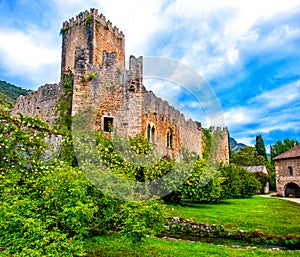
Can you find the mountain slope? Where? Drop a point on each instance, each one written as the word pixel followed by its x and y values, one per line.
pixel 12 91
pixel 9 94
pixel 235 146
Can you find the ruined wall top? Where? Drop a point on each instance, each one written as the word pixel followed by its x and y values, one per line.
pixel 93 14
pixel 214 129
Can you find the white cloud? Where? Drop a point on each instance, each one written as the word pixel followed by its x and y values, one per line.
pixel 23 54
pixel 208 23
pixel 213 30
pixel 278 97
pixel 163 87
pixel 232 55
pixel 240 116
pixel 138 19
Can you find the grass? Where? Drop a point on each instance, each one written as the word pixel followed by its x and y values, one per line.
pixel 270 215
pixel 116 246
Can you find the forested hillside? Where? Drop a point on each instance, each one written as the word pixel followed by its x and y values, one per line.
pixel 9 94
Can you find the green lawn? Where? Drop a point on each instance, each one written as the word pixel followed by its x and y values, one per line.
pixel 270 215
pixel 115 246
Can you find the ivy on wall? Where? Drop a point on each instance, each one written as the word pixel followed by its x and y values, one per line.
pixel 64 119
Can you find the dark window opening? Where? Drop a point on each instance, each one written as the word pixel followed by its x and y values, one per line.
pixel 292 190
pixel 152 139
pixel 290 171
pixel 149 132
pixel 169 138
pixel 108 124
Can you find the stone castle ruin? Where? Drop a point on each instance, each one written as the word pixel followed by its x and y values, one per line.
pixel 94 51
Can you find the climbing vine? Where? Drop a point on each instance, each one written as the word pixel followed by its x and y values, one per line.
pixel 63 30
pixel 63 112
pixel 206 142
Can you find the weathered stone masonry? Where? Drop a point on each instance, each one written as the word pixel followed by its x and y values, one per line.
pixel 91 31
pixel 287 167
pixel 95 51
pixel 119 95
pixel 40 103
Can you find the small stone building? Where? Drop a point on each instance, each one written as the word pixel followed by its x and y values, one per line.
pixel 259 169
pixel 287 167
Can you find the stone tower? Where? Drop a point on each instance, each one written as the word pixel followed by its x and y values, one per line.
pixel 91 31
pixel 222 146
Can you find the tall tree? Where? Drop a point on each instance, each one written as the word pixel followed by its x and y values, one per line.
pixel 248 156
pixel 260 147
pixel 282 146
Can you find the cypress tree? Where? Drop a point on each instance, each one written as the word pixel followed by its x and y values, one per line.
pixel 260 146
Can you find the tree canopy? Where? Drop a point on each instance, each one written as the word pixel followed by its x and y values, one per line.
pixel 248 156
pixel 282 146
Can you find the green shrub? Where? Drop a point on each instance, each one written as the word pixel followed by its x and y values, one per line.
pixel 238 183
pixel 51 211
pixel 142 219
pixel 46 208
pixel 49 208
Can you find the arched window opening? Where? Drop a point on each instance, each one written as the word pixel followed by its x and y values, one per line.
pixel 149 133
pixel 290 171
pixel 152 138
pixel 170 138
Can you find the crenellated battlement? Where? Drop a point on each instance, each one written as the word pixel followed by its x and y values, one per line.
pixel 214 129
pixel 90 30
pixel 92 15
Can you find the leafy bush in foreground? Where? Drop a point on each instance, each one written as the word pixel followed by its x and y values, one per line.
pixel 49 208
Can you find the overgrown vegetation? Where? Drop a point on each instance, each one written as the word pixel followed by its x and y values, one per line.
pixel 206 143
pixel 91 75
pixel 63 30
pixel 203 182
pixel 63 123
pixel 6 103
pixel 49 208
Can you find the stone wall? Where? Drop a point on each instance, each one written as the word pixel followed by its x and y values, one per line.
pixel 282 174
pixel 165 119
pixel 119 95
pixel 40 103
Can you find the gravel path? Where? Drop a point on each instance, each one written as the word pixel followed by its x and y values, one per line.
pixel 296 200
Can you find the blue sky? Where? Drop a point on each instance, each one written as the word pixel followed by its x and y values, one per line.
pixel 248 51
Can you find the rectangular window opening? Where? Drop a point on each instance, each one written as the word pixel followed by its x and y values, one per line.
pixel 108 124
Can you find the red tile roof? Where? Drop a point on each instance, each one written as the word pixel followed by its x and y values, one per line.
pixel 292 153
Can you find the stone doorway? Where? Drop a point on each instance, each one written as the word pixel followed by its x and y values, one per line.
pixel 292 190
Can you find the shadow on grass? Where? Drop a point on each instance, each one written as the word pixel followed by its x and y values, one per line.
pixel 202 204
